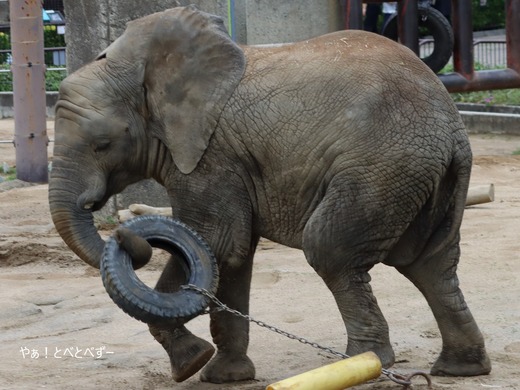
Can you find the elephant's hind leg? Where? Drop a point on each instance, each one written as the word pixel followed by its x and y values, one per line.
pixel 463 351
pixel 344 267
pixel 187 352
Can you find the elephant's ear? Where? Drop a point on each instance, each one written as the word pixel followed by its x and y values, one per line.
pixel 191 69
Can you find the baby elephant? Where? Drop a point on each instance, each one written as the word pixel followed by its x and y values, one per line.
pixel 346 146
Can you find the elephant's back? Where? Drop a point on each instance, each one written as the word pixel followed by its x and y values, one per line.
pixel 355 51
pixel 355 68
pixel 349 93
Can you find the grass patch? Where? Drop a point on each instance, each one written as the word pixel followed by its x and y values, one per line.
pixel 509 97
pixel 516 152
pixel 8 173
pixel 107 222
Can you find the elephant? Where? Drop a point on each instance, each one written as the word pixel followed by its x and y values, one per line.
pixel 345 146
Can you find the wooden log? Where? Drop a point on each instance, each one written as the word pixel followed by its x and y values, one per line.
pixel 476 195
pixel 142 209
pixel 480 194
pixel 125 215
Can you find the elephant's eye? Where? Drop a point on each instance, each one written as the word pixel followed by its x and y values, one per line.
pixel 102 146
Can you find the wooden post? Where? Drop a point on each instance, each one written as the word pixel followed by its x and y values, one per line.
pixel 28 69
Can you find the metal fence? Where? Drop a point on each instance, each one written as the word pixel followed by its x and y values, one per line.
pixel 55 60
pixel 488 54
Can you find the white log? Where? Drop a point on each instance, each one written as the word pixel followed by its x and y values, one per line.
pixel 142 209
pixel 480 194
pixel 124 215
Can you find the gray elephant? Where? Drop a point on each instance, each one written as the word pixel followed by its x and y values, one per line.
pixel 346 146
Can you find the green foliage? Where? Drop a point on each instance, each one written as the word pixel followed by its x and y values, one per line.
pixel 5 44
pixel 53 79
pixel 8 175
pixel 51 38
pixel 6 79
pixel 488 16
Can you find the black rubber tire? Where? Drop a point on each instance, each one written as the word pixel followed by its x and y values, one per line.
pixel 440 29
pixel 149 305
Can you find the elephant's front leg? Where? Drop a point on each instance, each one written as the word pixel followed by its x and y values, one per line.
pixel 187 352
pixel 231 332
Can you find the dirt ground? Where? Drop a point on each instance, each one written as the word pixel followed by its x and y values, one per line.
pixel 60 330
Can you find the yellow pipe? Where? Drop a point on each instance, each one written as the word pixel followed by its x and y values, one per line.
pixel 336 376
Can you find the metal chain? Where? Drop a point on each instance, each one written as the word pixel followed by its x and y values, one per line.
pixel 393 376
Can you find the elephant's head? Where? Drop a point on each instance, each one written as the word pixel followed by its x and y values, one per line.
pixel 160 86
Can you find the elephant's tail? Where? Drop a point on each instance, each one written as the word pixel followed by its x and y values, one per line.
pixel 450 195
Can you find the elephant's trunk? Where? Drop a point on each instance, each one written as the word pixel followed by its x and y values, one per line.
pixel 75 225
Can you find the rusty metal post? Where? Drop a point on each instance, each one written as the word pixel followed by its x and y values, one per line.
pixel 463 34
pixel 408 24
pixel 513 34
pixel 465 78
pixel 28 68
pixel 354 14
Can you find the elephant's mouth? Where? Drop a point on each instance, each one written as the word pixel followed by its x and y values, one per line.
pixel 96 206
pixel 90 201
pixel 94 199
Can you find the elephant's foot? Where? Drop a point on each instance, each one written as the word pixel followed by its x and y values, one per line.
pixel 383 350
pixel 188 353
pixel 228 368
pixel 462 362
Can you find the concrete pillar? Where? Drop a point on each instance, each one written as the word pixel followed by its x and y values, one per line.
pixel 4 11
pixel 275 21
pixel 93 25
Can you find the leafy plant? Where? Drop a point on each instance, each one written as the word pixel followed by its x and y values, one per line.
pixel 5 44
pixel 53 78
pixel 51 38
pixel 488 14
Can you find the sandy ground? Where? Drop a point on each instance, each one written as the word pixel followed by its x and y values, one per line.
pixel 60 330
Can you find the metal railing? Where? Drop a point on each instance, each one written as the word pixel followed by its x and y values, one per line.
pixel 55 60
pixel 487 54
pixel 464 77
